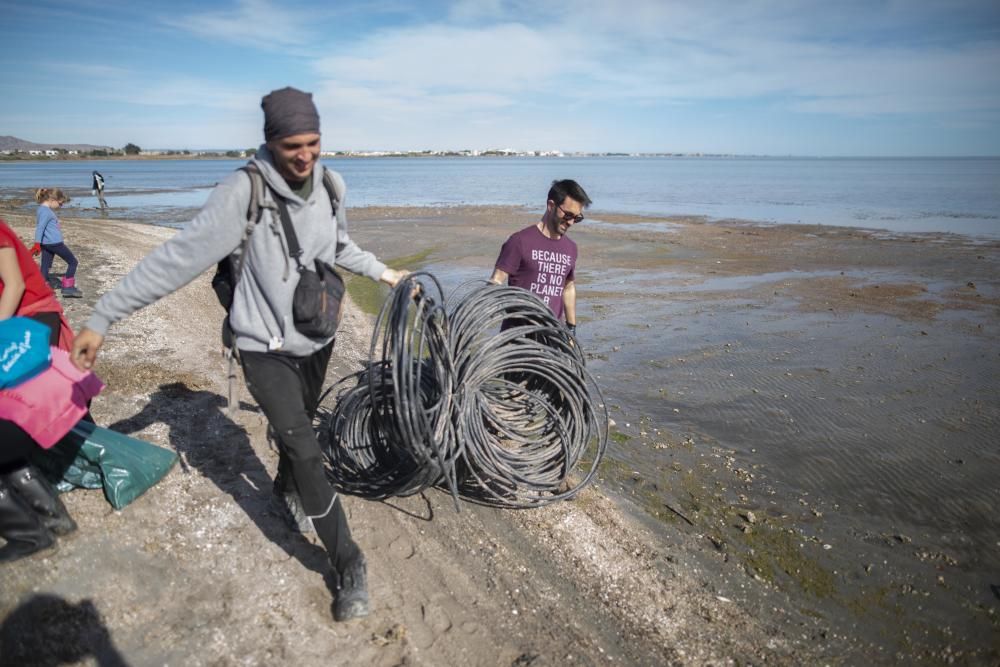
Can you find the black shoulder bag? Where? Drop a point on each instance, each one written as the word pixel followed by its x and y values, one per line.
pixel 317 300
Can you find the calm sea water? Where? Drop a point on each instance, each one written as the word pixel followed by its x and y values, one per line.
pixel 960 195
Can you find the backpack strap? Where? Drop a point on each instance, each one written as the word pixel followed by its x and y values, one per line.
pixel 334 184
pixel 294 249
pixel 334 188
pixel 255 209
pixel 256 206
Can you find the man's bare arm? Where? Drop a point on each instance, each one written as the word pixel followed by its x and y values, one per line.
pixel 569 301
pixel 499 277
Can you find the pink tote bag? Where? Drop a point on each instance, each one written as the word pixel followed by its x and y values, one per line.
pixel 48 405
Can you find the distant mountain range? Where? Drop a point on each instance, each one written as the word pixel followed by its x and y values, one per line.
pixel 8 143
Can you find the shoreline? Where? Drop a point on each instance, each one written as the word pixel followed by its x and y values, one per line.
pixel 610 217
pixel 200 153
pixel 606 561
pixel 19 204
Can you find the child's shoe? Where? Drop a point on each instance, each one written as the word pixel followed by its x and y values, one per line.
pixel 69 289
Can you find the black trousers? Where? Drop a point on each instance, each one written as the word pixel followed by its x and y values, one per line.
pixel 287 390
pixel 51 320
pixel 15 446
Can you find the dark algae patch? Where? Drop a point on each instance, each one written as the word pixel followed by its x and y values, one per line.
pixel 773 551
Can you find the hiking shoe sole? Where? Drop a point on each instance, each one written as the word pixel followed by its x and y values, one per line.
pixel 347 611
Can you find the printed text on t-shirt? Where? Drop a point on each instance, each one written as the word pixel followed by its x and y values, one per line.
pixel 552 270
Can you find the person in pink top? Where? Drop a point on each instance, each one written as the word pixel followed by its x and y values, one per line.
pixel 542 258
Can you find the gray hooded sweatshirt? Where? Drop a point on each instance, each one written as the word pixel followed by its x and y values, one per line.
pixel 261 314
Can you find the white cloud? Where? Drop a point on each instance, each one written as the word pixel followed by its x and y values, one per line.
pixel 258 23
pixel 506 57
pixel 86 70
pixel 650 52
pixel 405 102
pixel 492 54
pixel 191 92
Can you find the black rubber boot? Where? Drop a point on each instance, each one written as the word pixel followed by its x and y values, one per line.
pixel 352 590
pixel 36 490
pixel 20 526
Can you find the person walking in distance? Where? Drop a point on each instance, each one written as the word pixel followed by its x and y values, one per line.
pixel 541 258
pixel 97 187
pixel 284 368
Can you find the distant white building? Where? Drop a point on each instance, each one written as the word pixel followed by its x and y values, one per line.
pixel 51 152
pixel 34 152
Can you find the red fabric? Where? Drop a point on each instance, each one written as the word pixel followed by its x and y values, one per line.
pixel 48 405
pixel 35 287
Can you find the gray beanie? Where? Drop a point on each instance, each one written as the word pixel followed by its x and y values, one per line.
pixel 288 111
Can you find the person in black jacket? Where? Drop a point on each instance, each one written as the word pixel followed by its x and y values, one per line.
pixel 98 189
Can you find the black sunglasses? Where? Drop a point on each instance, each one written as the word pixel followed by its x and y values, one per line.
pixel 569 217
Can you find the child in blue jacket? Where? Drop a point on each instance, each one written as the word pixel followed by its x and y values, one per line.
pixel 49 239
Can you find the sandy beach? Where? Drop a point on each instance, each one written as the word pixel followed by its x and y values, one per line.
pixel 693 549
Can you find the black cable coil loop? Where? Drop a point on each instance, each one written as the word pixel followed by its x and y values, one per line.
pixel 508 417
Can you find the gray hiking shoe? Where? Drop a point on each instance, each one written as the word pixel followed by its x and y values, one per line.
pixel 352 590
pixel 71 293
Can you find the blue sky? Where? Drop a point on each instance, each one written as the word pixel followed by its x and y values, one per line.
pixel 758 77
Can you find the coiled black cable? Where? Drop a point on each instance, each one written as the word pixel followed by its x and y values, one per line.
pixel 491 400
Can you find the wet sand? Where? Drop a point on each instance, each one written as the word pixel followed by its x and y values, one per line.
pixel 801 468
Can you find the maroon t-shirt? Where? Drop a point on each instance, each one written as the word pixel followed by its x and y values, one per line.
pixel 539 264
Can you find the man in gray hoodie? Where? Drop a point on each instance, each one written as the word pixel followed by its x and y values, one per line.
pixel 284 369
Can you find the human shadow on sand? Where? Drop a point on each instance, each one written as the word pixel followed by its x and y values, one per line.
pixel 47 631
pixel 217 447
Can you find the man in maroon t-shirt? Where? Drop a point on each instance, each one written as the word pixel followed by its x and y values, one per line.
pixel 541 258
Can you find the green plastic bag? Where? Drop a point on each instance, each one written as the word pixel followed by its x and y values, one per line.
pixel 92 457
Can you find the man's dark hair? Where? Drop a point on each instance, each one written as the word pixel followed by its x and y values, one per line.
pixel 568 188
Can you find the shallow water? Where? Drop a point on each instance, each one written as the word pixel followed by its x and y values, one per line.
pixel 900 195
pixel 884 427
